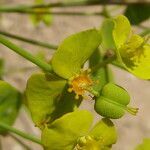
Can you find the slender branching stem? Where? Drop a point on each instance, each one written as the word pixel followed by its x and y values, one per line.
pixel 20 133
pixel 103 63
pixel 42 64
pixel 60 13
pixel 145 32
pixel 28 40
pixel 70 4
pixel 25 146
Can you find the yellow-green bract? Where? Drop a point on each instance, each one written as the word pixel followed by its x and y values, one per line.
pixel 132 50
pixel 73 131
pixel 73 52
pixel 145 145
pixel 47 97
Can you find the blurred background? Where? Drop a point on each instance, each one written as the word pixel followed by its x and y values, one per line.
pixel 131 129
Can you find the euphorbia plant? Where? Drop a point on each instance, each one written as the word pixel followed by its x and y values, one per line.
pixel 79 71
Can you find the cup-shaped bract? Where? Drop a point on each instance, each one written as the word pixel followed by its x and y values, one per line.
pixel 135 54
pixel 73 132
pixel 47 98
pixel 41 95
pixel 104 132
pixel 73 52
pixel 132 50
pixel 64 132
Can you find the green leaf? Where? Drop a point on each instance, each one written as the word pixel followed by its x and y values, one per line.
pixel 73 52
pixel 135 56
pixel 137 13
pixel 42 94
pixel 64 132
pixel 113 102
pixel 10 102
pixel 104 132
pixel 145 145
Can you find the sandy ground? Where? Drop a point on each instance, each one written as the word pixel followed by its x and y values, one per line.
pixel 131 129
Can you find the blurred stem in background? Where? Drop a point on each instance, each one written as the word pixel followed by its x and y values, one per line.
pixel 145 32
pixel 60 13
pixel 31 41
pixel 25 146
pixel 70 4
pixel 20 133
pixel 42 64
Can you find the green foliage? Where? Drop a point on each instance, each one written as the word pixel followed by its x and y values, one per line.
pixel 69 132
pixel 73 52
pixel 145 145
pixel 137 13
pixel 113 102
pixel 53 97
pixel 40 16
pixel 10 102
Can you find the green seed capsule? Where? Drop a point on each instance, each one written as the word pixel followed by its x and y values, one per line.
pixel 113 102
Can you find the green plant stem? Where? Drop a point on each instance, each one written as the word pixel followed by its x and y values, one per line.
pixel 26 147
pixel 20 133
pixel 103 63
pixel 60 13
pixel 31 41
pixel 43 65
pixel 69 4
pixel 107 73
pixel 105 12
pixel 145 32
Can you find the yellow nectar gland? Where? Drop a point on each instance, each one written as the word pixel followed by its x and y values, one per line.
pixel 88 143
pixel 80 84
